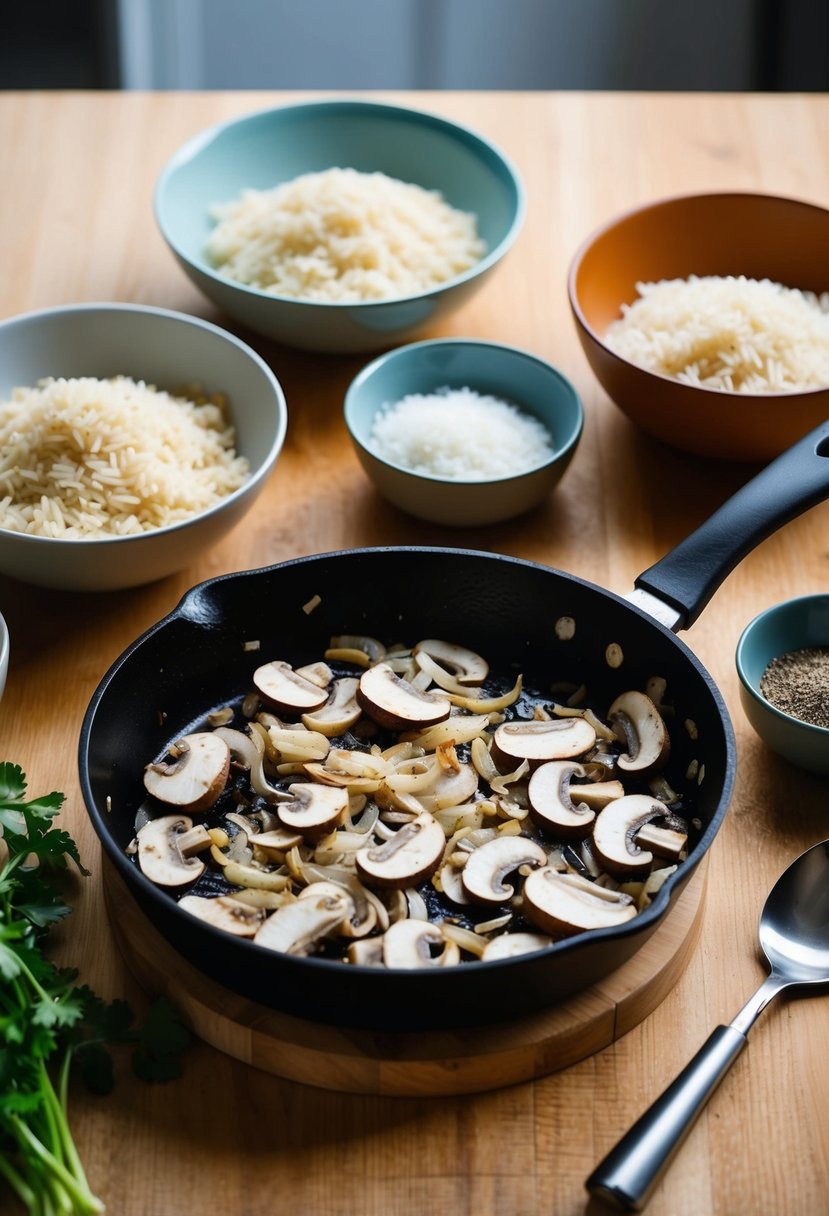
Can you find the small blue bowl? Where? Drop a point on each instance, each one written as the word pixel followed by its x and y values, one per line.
pixel 530 383
pixel 792 625
pixel 267 148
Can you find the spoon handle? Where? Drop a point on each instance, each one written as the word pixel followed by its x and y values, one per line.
pixel 630 1171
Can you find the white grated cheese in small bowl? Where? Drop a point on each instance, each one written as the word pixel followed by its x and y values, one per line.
pixel 461 435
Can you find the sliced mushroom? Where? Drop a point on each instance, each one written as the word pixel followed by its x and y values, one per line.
pixel 224 912
pixel 166 849
pixel 318 673
pixel 411 855
pixel 195 777
pixel 551 803
pixel 392 702
pixel 510 945
pixel 663 841
pixel 468 668
pixel 363 918
pixel 451 883
pixel 538 741
pixel 249 751
pixel 314 809
pixel 366 952
pixel 277 840
pixel 297 928
pixel 640 726
pixel 484 873
pixel 615 829
pixel 340 711
pixel 408 944
pixel 285 689
pixel 596 794
pixel 564 903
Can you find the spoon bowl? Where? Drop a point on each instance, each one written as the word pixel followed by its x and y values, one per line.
pixel 794 936
pixel 794 926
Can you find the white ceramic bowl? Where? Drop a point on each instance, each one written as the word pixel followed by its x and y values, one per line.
pixel 505 372
pixel 168 350
pixel 268 148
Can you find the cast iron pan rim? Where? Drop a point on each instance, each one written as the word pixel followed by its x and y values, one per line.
pixel 162 900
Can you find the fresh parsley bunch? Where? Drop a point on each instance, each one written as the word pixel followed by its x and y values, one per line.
pixel 48 1023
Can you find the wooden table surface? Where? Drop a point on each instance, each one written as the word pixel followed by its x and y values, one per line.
pixel 77 224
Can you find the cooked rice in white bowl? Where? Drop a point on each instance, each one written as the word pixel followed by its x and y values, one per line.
pixel 82 458
pixel 730 333
pixel 343 236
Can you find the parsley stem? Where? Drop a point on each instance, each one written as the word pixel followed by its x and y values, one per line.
pixel 60 1107
pixel 85 1202
pixel 18 1183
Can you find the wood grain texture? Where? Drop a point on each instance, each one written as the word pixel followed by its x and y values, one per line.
pixel 77 225
pixel 467 1060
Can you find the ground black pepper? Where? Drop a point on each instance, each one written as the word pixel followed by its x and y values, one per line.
pixel 797 683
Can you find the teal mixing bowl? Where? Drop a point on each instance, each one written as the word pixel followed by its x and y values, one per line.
pixel 531 384
pixel 268 148
pixel 793 625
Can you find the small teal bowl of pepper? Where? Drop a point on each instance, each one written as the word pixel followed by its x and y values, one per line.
pixel 783 664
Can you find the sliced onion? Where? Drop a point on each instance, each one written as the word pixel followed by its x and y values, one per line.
pixel 471 942
pixel 482 760
pixel 300 745
pixel 499 785
pixel 479 705
pixel 460 728
pixel 468 816
pixel 416 905
pixel 443 678
pixel 373 649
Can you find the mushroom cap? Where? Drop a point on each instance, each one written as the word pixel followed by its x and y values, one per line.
pixel 340 711
pixel 297 927
pixel 484 872
pixel 314 809
pixel 285 689
pixel 468 667
pixel 360 922
pixel 615 829
pixel 197 775
pixel 511 945
pixel 538 741
pixel 407 944
pixel 644 731
pixel 551 806
pixel 451 883
pixel 160 855
pixel 563 904
pixel 224 912
pixel 395 704
pixel 408 857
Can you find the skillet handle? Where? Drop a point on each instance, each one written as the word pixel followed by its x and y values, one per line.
pixel 688 576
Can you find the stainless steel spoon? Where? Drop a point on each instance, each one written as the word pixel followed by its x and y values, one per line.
pixel 794 935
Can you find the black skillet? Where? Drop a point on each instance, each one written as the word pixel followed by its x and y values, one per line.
pixel 195 659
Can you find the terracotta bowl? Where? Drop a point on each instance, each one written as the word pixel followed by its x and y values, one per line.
pixel 756 235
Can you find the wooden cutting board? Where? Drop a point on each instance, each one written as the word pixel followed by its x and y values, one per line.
pixel 429 1063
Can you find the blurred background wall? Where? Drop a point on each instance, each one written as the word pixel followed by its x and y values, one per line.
pixel 416 44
